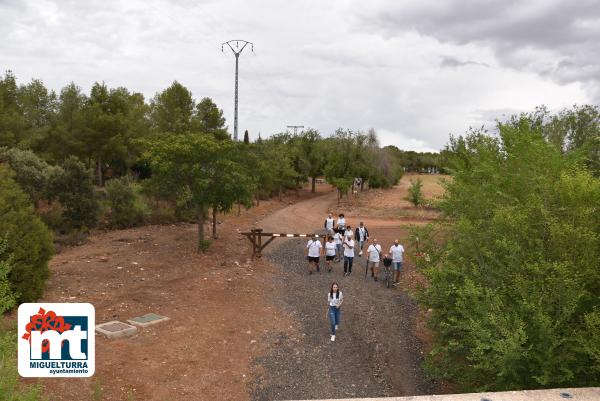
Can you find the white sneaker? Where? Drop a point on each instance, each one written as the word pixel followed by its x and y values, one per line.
pixel 360 253
pixel 336 327
pixel 333 338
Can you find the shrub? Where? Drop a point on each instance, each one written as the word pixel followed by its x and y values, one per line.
pixel 75 192
pixel 28 240
pixel 7 297
pixel 10 388
pixel 31 173
pixel 415 192
pixel 127 207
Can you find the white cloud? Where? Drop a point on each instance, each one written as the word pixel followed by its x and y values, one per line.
pixel 325 65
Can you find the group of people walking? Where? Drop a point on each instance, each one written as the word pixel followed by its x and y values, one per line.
pixel 344 243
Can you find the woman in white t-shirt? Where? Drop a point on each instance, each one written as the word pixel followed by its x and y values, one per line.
pixel 335 298
pixel 337 238
pixel 330 249
pixel 341 222
pixel 313 252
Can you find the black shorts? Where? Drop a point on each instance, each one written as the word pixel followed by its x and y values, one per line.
pixel 327 257
pixel 313 259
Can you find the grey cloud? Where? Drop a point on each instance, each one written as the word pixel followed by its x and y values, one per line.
pixel 560 40
pixel 453 62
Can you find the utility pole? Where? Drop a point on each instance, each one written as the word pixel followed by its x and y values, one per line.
pixel 237 51
pixel 295 127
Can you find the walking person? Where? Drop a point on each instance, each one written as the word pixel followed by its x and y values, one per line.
pixel 329 223
pixel 362 236
pixel 338 239
pixel 397 252
pixel 341 222
pixel 330 249
pixel 313 252
pixel 348 254
pixel 373 258
pixel 348 231
pixel 335 298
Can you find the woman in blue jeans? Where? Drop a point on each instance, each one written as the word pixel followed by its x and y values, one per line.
pixel 335 298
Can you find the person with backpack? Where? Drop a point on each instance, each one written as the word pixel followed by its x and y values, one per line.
pixel 338 239
pixel 362 236
pixel 348 254
pixel 335 298
pixel 373 258
pixel 330 249
pixel 397 252
pixel 329 223
pixel 313 252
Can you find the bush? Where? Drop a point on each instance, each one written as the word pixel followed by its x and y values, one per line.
pixel 7 297
pixel 127 206
pixel 28 240
pixel 415 192
pixel 10 389
pixel 31 173
pixel 75 192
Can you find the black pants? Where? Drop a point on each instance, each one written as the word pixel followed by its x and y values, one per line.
pixel 348 264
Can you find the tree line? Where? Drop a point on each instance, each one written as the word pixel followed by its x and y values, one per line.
pixel 72 161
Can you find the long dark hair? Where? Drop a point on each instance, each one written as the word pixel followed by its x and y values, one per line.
pixel 337 293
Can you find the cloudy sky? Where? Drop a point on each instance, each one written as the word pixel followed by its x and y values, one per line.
pixel 414 71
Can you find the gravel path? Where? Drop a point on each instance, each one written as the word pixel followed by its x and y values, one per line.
pixel 375 353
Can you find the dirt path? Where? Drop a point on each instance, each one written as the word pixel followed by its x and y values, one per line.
pixel 376 353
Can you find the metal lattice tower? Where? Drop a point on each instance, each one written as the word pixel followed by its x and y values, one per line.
pixel 236 52
pixel 295 127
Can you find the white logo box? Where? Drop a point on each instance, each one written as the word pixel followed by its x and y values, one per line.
pixel 78 363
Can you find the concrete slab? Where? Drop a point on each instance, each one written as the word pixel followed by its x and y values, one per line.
pixel 116 329
pixel 147 320
pixel 573 394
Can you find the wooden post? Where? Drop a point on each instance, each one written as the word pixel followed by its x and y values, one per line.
pixel 258 232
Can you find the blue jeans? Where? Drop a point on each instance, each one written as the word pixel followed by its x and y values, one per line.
pixel 340 251
pixel 397 266
pixel 348 264
pixel 334 318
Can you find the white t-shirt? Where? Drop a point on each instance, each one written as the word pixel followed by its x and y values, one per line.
pixel 330 248
pixel 342 222
pixel 397 252
pixel 349 248
pixel 329 223
pixel 362 233
pixel 337 238
pixel 314 248
pixel 374 252
pixel 335 301
pixel 348 232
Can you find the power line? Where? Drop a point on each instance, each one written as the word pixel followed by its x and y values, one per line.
pixel 295 127
pixel 237 53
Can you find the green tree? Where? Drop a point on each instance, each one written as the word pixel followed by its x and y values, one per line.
pixel 200 166
pixel 75 192
pixel 310 144
pixel 127 207
pixel 209 119
pixel 12 120
pixel 172 110
pixel 415 192
pixel 29 243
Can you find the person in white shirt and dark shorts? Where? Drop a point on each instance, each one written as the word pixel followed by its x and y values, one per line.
pixel 330 250
pixel 373 258
pixel 397 253
pixel 313 252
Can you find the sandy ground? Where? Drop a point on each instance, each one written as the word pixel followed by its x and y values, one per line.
pixel 223 316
